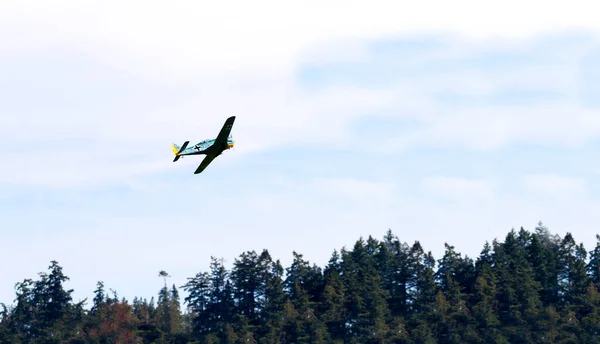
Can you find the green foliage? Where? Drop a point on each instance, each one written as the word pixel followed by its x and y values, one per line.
pixel 534 287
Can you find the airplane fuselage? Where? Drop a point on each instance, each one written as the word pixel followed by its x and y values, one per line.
pixel 203 147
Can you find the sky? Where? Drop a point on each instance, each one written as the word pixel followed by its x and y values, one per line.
pixel 445 122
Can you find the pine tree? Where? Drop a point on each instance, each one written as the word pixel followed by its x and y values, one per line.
pixel 593 266
pixel 367 308
pixel 543 260
pixel 520 305
pixel 393 265
pixel 590 324
pixel 272 300
pixel 246 282
pixel 199 291
pixel 422 289
pixel 333 310
pixel 484 302
pixel 175 311
pixel 454 276
pixel 573 283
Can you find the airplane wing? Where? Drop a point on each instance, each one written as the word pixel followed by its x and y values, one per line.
pixel 207 160
pixel 224 133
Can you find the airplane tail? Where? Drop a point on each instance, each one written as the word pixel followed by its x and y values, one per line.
pixel 175 147
pixel 177 150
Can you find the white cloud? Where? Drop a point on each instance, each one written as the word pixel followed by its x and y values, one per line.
pixel 458 188
pixel 554 185
pixel 133 142
pixel 357 189
pixel 241 59
pixel 77 168
pixel 238 36
pixel 491 128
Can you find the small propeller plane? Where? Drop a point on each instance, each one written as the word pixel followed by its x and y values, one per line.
pixel 212 148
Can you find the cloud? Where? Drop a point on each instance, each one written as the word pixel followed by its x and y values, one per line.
pixel 228 28
pixel 267 117
pixel 76 168
pixel 357 189
pixel 458 188
pixel 554 185
pixel 173 73
pixel 494 128
pixel 480 96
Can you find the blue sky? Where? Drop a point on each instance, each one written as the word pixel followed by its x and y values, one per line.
pixel 441 137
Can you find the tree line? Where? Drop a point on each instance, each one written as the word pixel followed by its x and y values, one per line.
pixel 534 287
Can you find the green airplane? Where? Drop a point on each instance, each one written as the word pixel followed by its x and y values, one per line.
pixel 212 148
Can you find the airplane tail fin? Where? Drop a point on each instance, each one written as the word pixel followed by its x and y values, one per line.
pixel 177 150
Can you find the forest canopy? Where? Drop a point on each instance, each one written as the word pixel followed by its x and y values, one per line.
pixel 532 287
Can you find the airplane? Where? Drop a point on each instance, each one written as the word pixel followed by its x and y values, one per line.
pixel 212 148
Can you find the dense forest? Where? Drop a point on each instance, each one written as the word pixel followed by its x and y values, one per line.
pixel 534 287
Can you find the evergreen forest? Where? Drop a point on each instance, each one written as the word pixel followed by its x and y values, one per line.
pixel 530 287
